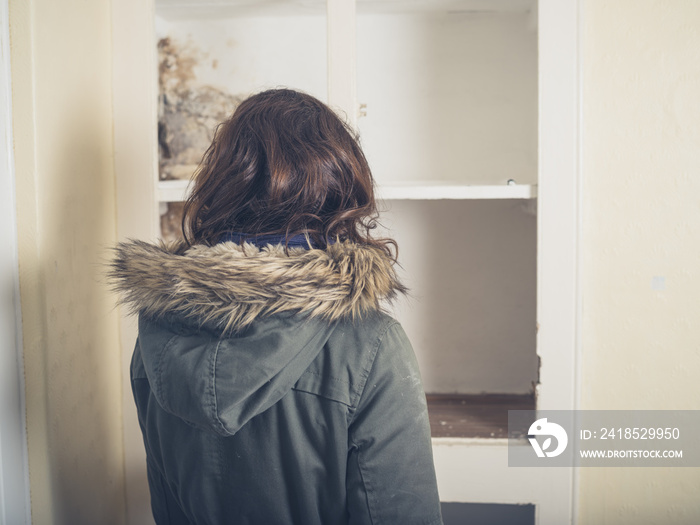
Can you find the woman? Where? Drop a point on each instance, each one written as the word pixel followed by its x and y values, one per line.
pixel 270 386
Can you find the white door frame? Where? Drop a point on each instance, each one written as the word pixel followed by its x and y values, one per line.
pixel 14 470
pixel 558 230
pixel 477 470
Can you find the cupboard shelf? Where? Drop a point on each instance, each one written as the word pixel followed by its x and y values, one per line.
pixel 456 191
pixel 177 191
pixel 173 190
pixel 474 415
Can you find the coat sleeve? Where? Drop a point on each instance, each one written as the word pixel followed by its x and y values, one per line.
pixel 390 474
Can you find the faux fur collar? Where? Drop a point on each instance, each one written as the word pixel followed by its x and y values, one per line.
pixel 230 285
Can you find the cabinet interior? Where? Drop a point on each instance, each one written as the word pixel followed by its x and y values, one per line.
pixel 449 96
pixel 449 89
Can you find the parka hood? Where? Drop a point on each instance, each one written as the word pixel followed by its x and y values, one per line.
pixel 229 285
pixel 225 331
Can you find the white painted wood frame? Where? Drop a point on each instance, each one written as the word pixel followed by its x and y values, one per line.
pixel 476 470
pixel 15 506
pixel 178 190
pixel 468 470
pixel 342 70
pixel 559 229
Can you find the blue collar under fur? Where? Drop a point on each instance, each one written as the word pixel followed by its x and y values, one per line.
pixel 296 241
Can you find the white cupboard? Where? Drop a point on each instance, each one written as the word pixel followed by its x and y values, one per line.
pixel 466 110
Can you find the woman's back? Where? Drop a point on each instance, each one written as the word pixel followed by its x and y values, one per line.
pixel 294 419
pixel 270 387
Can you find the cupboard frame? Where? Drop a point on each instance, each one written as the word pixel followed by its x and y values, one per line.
pixel 469 470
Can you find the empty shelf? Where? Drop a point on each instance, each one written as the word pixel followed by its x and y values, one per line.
pixel 474 415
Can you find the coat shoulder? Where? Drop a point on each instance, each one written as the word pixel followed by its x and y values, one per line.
pixel 340 370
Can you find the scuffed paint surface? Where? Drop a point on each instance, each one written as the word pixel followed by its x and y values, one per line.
pixel 188 114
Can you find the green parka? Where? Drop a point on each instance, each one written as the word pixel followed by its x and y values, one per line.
pixel 271 388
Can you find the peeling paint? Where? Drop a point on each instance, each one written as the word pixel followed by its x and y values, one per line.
pixel 188 114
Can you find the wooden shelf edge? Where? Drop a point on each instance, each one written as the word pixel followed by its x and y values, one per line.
pixel 473 418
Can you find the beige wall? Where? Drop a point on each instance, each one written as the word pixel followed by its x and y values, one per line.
pixel 641 204
pixel 641 169
pixel 61 68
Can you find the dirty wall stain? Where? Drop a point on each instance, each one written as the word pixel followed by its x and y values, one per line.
pixel 188 114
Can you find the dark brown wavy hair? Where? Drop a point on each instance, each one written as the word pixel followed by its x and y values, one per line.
pixel 284 163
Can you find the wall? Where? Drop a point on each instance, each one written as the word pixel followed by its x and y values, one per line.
pixel 641 116
pixel 14 475
pixel 641 277
pixel 61 73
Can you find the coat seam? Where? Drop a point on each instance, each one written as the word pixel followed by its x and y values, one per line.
pixel 336 379
pixel 159 374
pixel 362 383
pixel 215 414
pixel 365 483
pixel 322 396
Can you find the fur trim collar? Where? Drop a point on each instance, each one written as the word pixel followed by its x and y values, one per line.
pixel 231 285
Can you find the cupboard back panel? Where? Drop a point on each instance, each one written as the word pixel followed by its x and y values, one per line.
pixel 450 96
pixel 471 267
